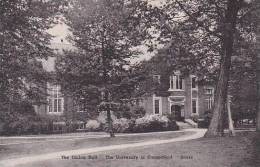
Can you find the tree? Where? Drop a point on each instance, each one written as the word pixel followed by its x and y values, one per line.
pixel 105 33
pixel 211 29
pixel 23 41
pixel 258 68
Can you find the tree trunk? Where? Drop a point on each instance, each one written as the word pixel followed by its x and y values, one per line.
pixel 216 125
pixel 258 73
pixel 106 91
pixel 230 121
pixel 110 124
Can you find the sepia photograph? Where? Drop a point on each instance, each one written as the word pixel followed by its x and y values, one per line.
pixel 129 83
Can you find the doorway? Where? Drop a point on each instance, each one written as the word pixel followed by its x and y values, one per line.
pixel 176 111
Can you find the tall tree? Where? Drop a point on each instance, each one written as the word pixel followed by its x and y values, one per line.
pixel 215 27
pixel 105 33
pixel 23 41
pixel 258 66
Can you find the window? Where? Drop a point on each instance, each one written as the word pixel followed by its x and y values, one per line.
pixel 194 84
pixel 157 105
pixel 209 102
pixel 194 106
pixel 176 82
pixel 55 100
pixel 209 91
pixel 157 78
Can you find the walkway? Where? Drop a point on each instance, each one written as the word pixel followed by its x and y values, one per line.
pixel 57 155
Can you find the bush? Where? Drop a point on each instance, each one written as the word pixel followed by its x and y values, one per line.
pixel 152 123
pixel 102 117
pixel 121 125
pixel 204 122
pixel 93 125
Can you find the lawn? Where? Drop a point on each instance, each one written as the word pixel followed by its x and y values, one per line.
pixel 240 151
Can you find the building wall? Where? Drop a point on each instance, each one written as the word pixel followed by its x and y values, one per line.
pixel 188 93
pixel 70 107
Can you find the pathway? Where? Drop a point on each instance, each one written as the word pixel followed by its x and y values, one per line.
pixel 57 155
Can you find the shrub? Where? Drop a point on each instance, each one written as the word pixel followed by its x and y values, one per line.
pixel 121 125
pixel 204 122
pixel 102 117
pixel 171 117
pixel 151 123
pixel 93 125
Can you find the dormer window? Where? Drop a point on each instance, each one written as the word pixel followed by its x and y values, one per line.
pixel 176 82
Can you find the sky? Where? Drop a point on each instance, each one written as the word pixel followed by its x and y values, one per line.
pixel 61 30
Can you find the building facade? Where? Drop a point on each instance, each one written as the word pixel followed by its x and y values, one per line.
pixel 187 98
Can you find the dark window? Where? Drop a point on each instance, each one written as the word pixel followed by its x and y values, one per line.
pixel 180 83
pixel 171 83
pixel 194 106
pixel 209 91
pixel 55 105
pixel 193 82
pixel 156 106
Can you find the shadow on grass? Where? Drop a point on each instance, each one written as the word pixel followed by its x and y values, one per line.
pixel 253 151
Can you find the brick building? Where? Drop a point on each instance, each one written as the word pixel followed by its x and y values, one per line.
pixel 186 98
pixel 58 107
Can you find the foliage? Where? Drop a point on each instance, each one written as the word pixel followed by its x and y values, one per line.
pixel 93 125
pixel 150 123
pixel 138 112
pixel 102 118
pixel 23 120
pixel 106 34
pixel 23 41
pixel 160 64
pixel 122 125
pixel 207 37
pixel 204 120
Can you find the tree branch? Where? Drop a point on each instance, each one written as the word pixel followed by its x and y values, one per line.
pixel 200 23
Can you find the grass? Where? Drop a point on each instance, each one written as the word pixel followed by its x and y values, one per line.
pixel 240 151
